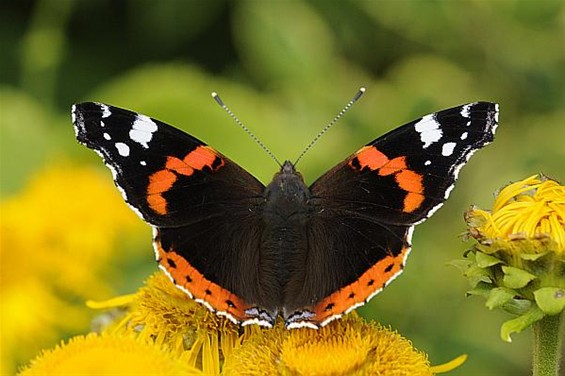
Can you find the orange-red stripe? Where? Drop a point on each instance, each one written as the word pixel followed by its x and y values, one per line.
pixel 371 157
pixel 393 166
pixel 358 292
pixel 163 180
pixel 200 157
pixel 159 182
pixel 200 287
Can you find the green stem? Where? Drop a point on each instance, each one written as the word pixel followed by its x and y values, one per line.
pixel 549 333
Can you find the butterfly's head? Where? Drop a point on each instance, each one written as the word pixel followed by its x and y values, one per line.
pixel 287 185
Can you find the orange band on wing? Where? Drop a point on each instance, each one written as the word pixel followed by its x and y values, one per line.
pixel 187 277
pixel 163 180
pixel 371 157
pixel 159 182
pixel 357 293
pixel 201 157
pixel 178 166
pixel 408 180
pixel 393 166
pixel 412 201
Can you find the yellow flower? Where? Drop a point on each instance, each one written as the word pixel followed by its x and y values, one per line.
pixel 162 316
pixel 518 263
pixel 162 313
pixel 56 239
pixel 532 209
pixel 345 347
pixel 108 355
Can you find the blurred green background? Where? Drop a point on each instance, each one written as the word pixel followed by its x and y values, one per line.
pixel 286 68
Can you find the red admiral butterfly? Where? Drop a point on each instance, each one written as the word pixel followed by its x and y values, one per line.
pixel 309 254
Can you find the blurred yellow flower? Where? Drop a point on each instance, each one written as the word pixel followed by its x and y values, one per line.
pixel 108 355
pixel 57 236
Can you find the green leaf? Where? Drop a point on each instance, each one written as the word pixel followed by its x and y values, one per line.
pixel 481 289
pixel 516 278
pixel 484 260
pixel 520 323
pixel 532 256
pixel 499 296
pixel 476 274
pixel 551 300
pixel 517 306
pixel 462 265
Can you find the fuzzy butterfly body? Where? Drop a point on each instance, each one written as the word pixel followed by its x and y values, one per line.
pixel 309 254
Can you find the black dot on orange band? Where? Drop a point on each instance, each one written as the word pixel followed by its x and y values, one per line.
pixel 171 263
pixel 208 292
pixel 371 282
pixel 188 279
pixel 230 303
pixel 355 163
pixel 329 306
pixel 389 268
pixel 217 163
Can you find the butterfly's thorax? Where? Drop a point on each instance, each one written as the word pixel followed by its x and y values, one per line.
pixel 287 195
pixel 285 217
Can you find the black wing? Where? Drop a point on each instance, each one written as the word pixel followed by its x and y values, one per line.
pixel 366 206
pixel 202 205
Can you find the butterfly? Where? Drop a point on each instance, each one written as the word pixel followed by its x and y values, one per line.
pixel 252 252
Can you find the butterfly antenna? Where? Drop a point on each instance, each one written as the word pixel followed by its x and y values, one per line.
pixel 247 130
pixel 331 123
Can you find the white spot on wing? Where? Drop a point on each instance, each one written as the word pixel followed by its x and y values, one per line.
pixel 428 162
pixel 464 136
pixel 105 111
pixel 447 149
pixel 143 163
pixel 466 110
pixel 142 130
pixel 123 149
pixel 107 136
pixel 429 130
